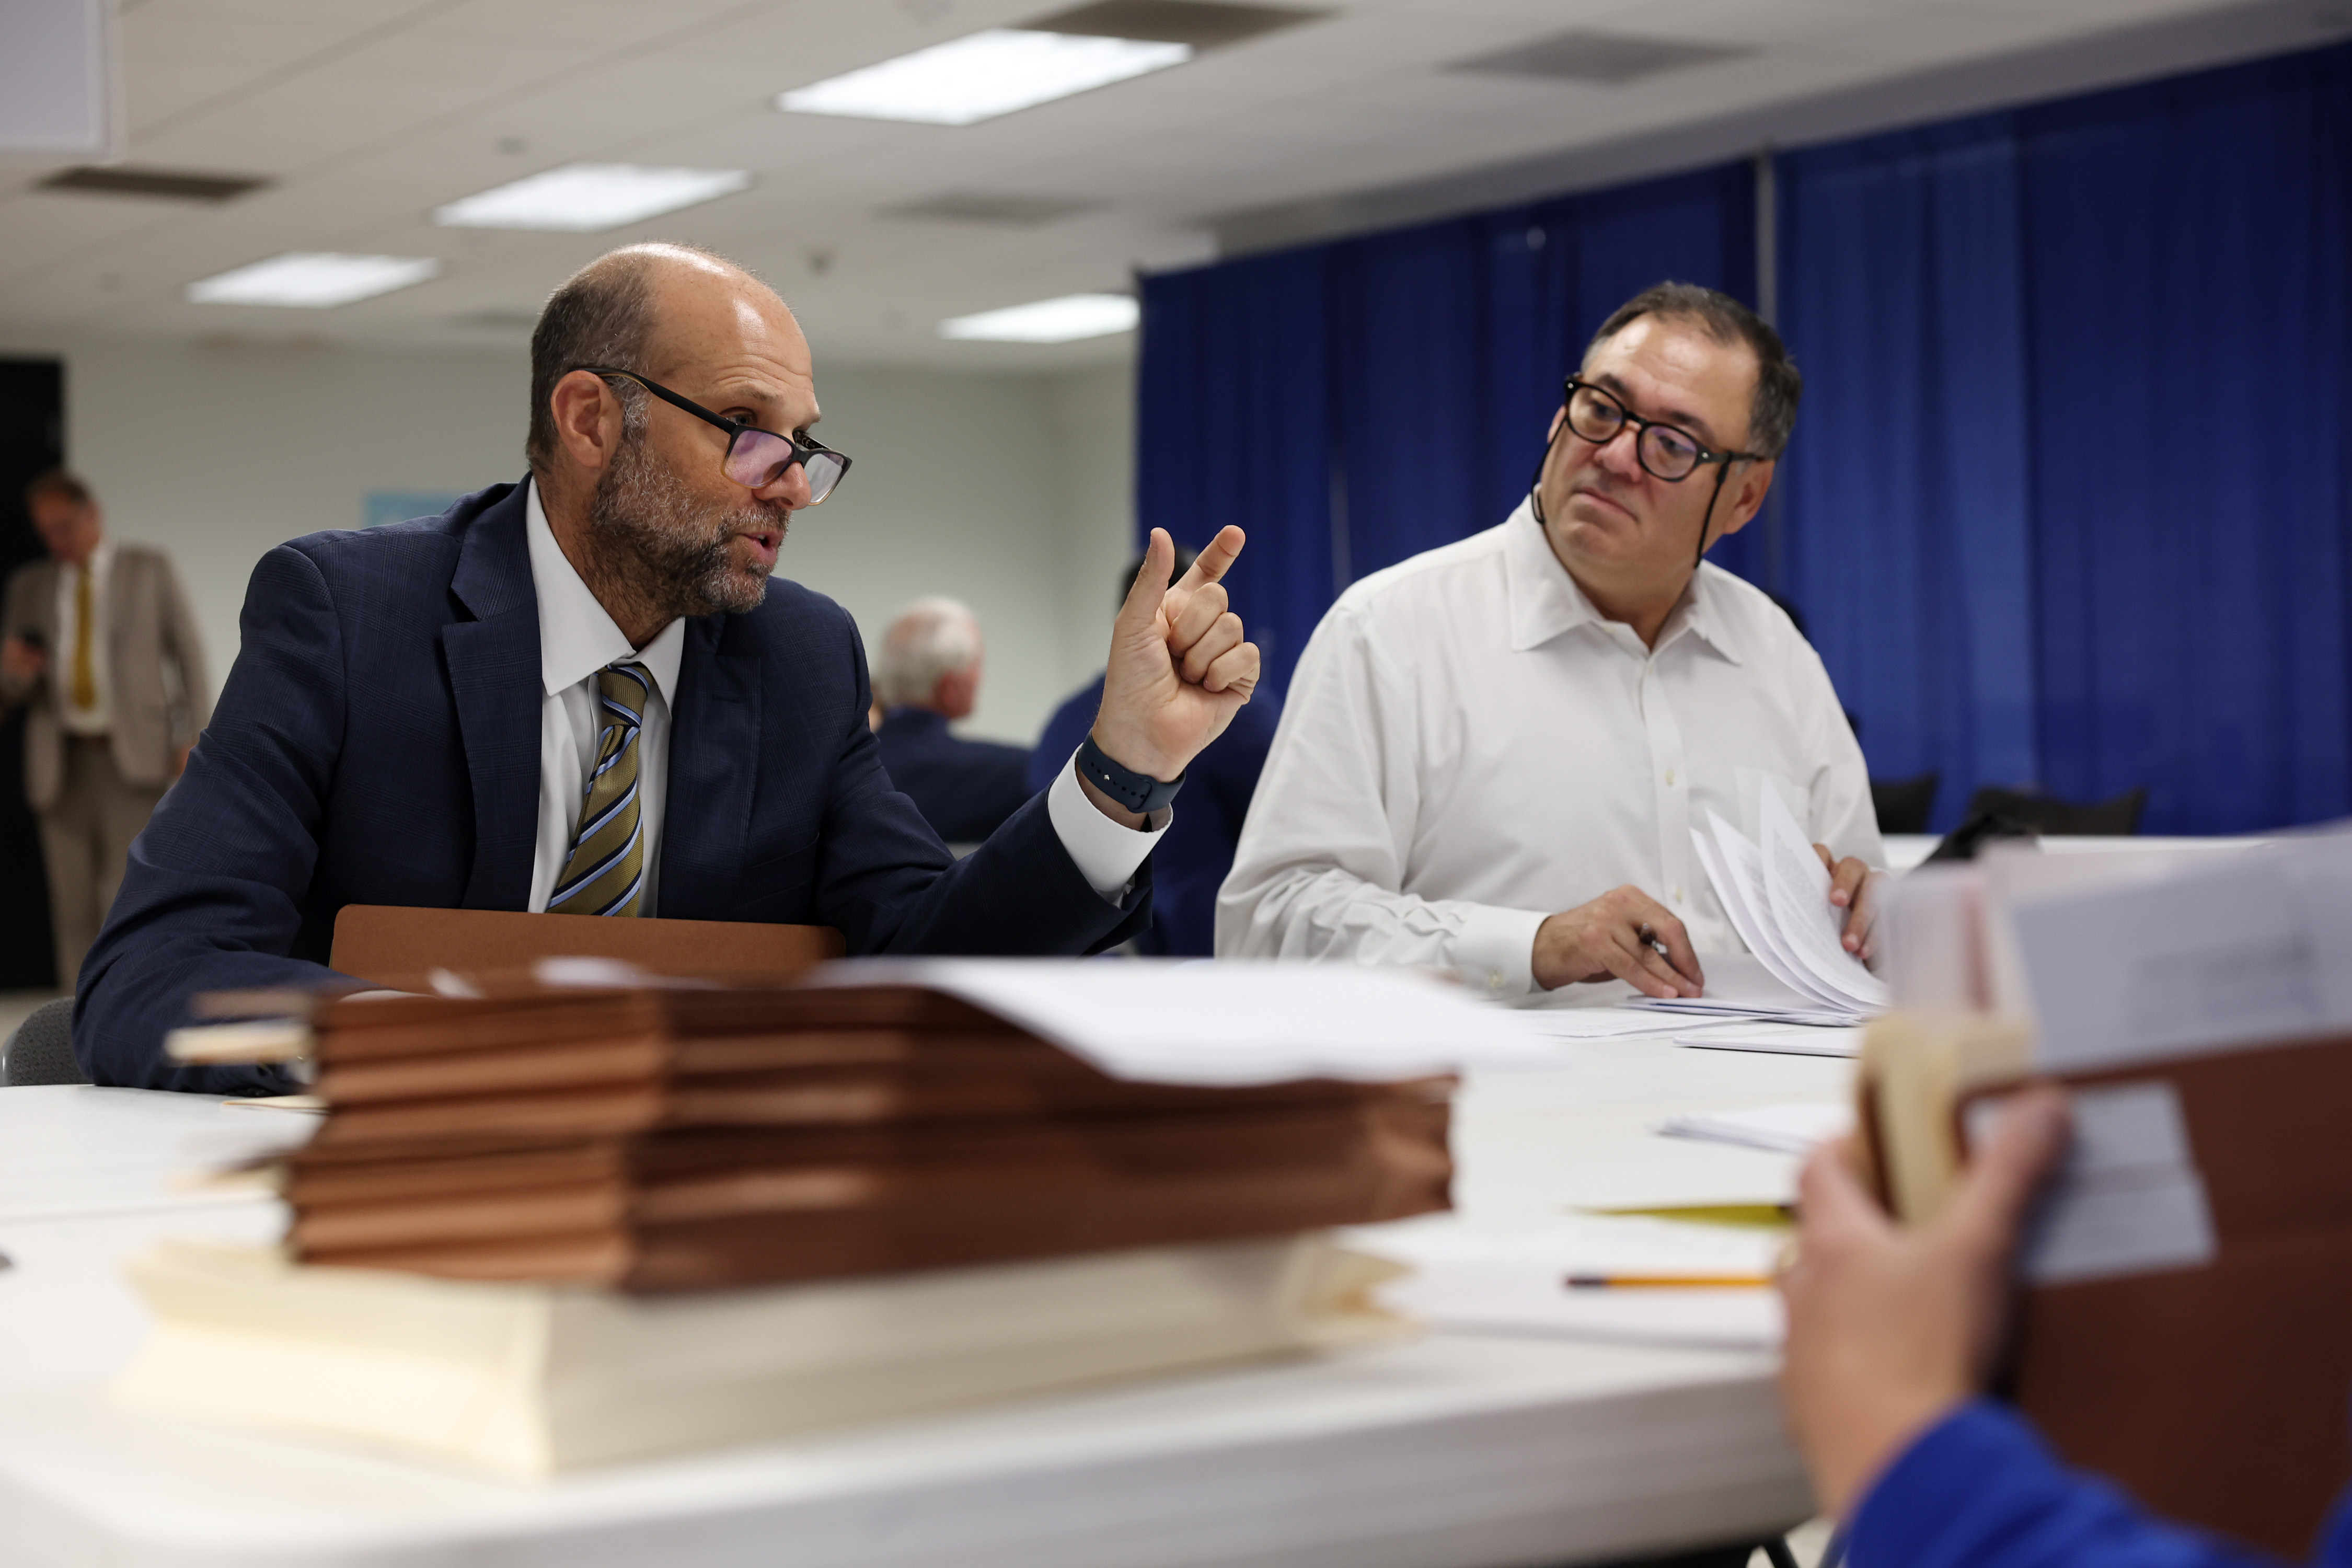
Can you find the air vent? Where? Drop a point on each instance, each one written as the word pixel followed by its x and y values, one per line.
pixel 1204 24
pixel 974 206
pixel 169 184
pixel 1611 58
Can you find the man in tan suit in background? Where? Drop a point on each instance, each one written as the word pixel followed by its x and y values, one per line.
pixel 100 641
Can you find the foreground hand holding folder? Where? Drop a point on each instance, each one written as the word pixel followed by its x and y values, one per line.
pixel 545 1226
pixel 2186 1322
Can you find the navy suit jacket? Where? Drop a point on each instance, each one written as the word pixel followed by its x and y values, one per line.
pixel 377 743
pixel 965 789
pixel 1197 854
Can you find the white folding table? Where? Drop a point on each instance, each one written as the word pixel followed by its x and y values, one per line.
pixel 1454 1451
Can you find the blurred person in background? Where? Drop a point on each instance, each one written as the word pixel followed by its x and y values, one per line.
pixel 99 643
pixel 1192 862
pixel 926 677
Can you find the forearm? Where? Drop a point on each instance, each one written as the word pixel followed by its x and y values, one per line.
pixel 1325 910
pixel 1978 1489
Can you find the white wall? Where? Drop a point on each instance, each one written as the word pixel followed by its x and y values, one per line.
pixel 1009 491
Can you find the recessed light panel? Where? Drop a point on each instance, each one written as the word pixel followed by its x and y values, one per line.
pixel 983 75
pixel 584 198
pixel 1062 320
pixel 313 279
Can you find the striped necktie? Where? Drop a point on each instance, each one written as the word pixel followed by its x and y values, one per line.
pixel 605 872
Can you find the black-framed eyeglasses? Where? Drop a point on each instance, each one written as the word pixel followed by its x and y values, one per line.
pixel 1666 451
pixel 755 459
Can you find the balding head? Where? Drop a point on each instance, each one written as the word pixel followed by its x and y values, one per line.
pixel 620 309
pixel 648 368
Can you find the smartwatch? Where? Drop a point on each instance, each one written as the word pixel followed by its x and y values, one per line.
pixel 1137 792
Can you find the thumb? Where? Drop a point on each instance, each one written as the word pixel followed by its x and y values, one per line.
pixel 1137 614
pixel 2002 1176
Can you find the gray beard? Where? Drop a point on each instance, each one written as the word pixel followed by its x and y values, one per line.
pixel 669 549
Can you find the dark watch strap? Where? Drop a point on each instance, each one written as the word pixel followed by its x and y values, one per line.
pixel 1135 791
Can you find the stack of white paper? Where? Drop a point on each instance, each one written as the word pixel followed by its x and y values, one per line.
pixel 1777 893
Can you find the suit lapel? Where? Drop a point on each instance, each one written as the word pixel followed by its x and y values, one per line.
pixel 494 678
pixel 714 751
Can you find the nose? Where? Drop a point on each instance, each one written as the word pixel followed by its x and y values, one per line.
pixel 1620 454
pixel 791 487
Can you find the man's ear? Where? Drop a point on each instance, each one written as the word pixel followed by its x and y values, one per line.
pixel 587 421
pixel 1749 484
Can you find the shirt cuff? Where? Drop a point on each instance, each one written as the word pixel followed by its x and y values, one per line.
pixel 1106 852
pixel 1496 950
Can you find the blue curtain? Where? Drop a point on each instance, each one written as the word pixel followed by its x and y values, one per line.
pixel 1367 400
pixel 1907 515
pixel 1234 426
pixel 2191 387
pixel 2068 502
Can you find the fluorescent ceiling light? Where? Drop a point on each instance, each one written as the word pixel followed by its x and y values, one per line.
pixel 983 75
pixel 313 278
pixel 1062 320
pixel 583 197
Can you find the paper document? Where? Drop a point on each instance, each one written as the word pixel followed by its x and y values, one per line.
pixel 1241 1022
pixel 1469 1283
pixel 1739 986
pixel 1777 1039
pixel 1735 867
pixel 2129 1198
pixel 1777 892
pixel 1782 1129
pixel 2171 955
pixel 1808 922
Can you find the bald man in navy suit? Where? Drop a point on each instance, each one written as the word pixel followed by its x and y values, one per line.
pixel 583 694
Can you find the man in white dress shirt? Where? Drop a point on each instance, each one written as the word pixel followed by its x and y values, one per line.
pixel 1492 755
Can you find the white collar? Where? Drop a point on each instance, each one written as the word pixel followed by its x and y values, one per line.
pixel 576 635
pixel 101 559
pixel 1545 601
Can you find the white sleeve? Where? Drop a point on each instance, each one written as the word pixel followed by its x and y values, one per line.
pixel 1320 865
pixel 1842 814
pixel 1106 852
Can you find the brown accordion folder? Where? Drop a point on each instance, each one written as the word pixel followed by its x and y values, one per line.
pixel 397 947
pixel 2217 1393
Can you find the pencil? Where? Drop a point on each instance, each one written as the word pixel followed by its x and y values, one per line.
pixel 1667 1282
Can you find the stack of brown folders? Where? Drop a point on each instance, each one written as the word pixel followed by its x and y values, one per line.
pixel 656 1140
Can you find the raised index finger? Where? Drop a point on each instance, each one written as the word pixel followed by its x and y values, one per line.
pixel 1217 560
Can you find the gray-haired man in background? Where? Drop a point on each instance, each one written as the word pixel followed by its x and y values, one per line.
pixel 926 676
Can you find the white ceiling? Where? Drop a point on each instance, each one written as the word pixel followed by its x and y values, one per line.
pixel 365 114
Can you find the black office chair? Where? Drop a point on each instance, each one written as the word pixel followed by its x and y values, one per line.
pixel 1903 804
pixel 2117 818
pixel 41 1049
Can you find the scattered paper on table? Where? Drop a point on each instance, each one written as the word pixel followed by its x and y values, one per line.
pixel 1782 1129
pixel 1470 1283
pixel 1777 1039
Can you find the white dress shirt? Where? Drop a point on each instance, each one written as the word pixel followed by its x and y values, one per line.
pixel 577 638
pixel 1469 747
pixel 98 719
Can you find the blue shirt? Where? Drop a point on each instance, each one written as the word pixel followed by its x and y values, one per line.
pixel 1190 863
pixel 1981 1490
